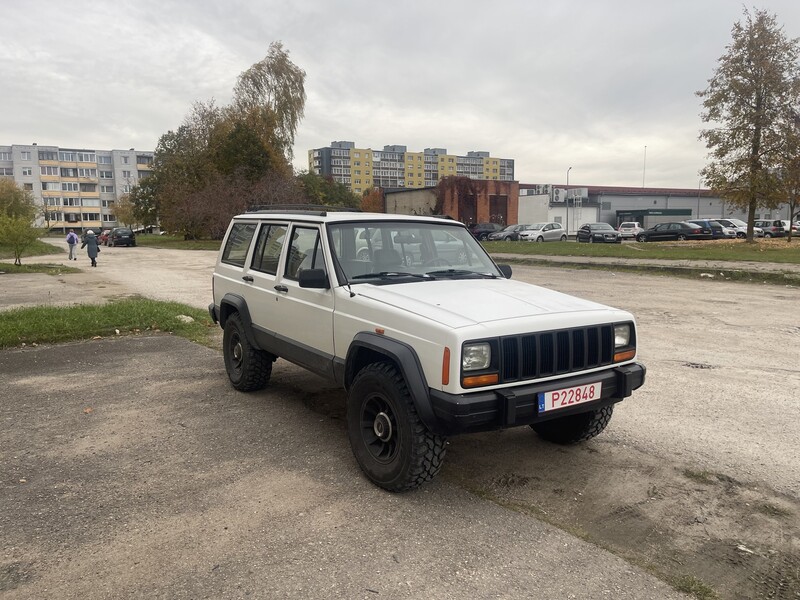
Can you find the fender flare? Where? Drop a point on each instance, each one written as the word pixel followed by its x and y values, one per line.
pixel 365 348
pixel 232 303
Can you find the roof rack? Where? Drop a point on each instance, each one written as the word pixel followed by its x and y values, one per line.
pixel 316 209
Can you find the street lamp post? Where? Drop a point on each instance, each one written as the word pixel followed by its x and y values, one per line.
pixel 566 200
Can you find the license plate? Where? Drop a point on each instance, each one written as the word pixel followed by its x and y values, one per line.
pixel 567 397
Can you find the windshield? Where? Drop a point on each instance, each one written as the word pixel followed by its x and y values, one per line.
pixel 370 251
pixel 601 226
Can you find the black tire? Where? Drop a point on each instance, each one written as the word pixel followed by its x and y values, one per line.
pixel 540 239
pixel 391 444
pixel 641 238
pixel 111 244
pixel 563 238
pixel 681 237
pixel 248 368
pixel 768 235
pixel 591 240
pixel 741 235
pixel 575 428
pixel 482 236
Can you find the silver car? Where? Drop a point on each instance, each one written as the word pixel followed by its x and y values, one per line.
pixel 544 232
pixel 740 227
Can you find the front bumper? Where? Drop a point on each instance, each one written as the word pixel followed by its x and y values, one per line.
pixel 519 405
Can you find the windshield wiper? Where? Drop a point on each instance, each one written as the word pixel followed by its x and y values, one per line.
pixel 391 274
pixel 460 273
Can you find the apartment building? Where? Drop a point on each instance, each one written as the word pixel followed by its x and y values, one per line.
pixel 362 169
pixel 78 186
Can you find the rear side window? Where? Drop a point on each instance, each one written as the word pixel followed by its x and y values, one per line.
pixel 268 248
pixel 238 243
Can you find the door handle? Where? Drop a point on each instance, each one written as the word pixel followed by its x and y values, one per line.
pixel 281 288
pixel 248 278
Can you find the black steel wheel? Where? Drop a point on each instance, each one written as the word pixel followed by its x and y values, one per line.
pixel 575 428
pixel 394 449
pixel 248 368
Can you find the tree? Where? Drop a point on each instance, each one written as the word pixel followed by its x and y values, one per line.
pixel 789 172
pixel 326 191
pixel 144 201
pixel 272 92
pixel 17 214
pixel 749 100
pixel 123 210
pixel 373 201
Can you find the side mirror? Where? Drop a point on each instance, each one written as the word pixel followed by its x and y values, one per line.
pixel 505 270
pixel 314 278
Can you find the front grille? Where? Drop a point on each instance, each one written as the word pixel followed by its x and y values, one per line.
pixel 535 355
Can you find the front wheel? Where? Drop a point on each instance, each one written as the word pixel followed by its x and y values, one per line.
pixel 641 238
pixel 767 235
pixel 540 239
pixel 394 449
pixel 681 238
pixel 591 240
pixel 248 368
pixel 575 428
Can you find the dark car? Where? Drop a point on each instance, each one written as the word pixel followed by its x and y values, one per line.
pixel 598 232
pixel 121 236
pixel 482 230
pixel 718 230
pixel 510 233
pixel 674 231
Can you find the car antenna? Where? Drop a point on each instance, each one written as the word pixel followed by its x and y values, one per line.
pixel 346 281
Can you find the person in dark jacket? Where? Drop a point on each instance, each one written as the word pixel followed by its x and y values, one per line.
pixel 91 245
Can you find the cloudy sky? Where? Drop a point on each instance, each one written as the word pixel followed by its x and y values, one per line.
pixel 603 86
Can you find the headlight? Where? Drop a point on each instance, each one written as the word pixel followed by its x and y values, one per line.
pixel 476 357
pixel 622 335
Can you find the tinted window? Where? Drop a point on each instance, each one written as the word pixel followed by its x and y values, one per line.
pixel 238 243
pixel 268 248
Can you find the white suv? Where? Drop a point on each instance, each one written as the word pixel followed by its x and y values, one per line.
pixel 428 335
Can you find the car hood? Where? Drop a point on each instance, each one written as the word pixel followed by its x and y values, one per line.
pixel 462 303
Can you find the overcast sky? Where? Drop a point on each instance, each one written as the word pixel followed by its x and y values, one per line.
pixel 581 84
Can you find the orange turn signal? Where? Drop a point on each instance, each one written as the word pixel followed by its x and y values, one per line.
pixel 446 366
pixel 477 380
pixel 626 355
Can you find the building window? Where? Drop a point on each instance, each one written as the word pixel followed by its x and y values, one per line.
pixel 67 172
pixel 25 155
pixel 91 216
pixel 27 171
pixel 86 157
pixel 49 171
pixel 126 189
pixel 125 159
pixel 27 186
pixel 6 172
pixel 53 201
pixel 108 203
pixel 126 174
pixel 47 155
pixel 106 175
pixel 66 156
pixel 87 172
pixel 88 187
pixel 107 189
pixel 69 187
pixel 52 186
pixel 72 201
pixel 104 160
pixel 5 155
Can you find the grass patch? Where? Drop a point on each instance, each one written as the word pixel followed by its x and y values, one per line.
pixel 693 586
pixel 49 269
pixel 51 324
pixel 149 240
pixel 763 250
pixel 38 248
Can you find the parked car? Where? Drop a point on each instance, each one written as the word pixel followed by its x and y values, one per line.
pixel 121 236
pixel 510 233
pixel 789 225
pixel 718 230
pixel 740 227
pixel 598 232
pixel 675 230
pixel 630 229
pixel 544 232
pixel 772 228
pixel 103 237
pixel 482 230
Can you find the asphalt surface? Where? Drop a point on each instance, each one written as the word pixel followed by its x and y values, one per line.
pixel 130 468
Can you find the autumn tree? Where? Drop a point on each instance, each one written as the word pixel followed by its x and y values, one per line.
pixel 17 215
pixel 324 190
pixel 123 210
pixel 747 103
pixel 373 201
pixel 789 170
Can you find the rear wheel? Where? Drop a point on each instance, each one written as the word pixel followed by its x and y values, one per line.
pixel 591 240
pixel 563 238
pixel 248 368
pixel 575 428
pixel 767 235
pixel 681 237
pixel 641 238
pixel 391 444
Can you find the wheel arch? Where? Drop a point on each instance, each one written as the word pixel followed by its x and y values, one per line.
pixel 233 303
pixel 367 348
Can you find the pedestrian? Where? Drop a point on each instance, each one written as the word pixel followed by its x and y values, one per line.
pixel 91 245
pixel 72 242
